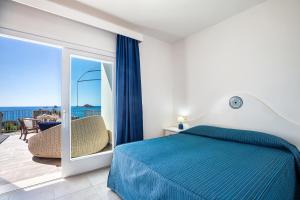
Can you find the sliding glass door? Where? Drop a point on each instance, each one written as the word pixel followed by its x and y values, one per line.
pixel 88 111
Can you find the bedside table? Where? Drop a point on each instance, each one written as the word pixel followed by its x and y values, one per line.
pixel 171 131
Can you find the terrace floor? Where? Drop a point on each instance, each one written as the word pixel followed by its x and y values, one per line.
pixel 17 165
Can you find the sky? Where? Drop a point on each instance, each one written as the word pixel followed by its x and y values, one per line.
pixel 89 92
pixel 30 75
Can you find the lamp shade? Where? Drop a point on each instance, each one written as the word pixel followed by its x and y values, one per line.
pixel 180 119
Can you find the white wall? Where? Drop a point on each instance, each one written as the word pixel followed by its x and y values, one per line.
pixel 26 19
pixel 256 52
pixel 156 57
pixel 157 85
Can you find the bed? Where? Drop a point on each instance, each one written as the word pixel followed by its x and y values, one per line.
pixel 209 162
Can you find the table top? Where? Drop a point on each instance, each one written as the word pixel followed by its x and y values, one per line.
pixel 173 129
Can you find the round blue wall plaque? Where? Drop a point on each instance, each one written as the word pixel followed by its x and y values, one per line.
pixel 235 102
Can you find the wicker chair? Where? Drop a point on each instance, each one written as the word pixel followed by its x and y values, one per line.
pixel 89 135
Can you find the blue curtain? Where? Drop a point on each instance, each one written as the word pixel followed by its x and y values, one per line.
pixel 129 110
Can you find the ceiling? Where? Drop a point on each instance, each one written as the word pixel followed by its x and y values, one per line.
pixel 171 20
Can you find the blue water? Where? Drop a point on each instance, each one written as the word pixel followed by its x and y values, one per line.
pixel 14 113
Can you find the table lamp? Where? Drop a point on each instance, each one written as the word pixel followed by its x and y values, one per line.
pixel 180 121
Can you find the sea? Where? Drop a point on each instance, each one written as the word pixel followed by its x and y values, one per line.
pixel 14 113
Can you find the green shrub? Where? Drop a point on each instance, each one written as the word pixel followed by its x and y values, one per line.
pixel 10 126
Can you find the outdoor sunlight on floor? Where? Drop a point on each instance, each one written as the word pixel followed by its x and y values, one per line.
pixel 89 186
pixel 19 167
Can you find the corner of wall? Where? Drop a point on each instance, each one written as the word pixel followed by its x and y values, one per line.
pixel 179 79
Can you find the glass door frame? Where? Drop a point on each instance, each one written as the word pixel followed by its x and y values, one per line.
pixel 72 166
pixel 67 47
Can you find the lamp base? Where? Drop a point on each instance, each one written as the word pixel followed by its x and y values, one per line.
pixel 180 126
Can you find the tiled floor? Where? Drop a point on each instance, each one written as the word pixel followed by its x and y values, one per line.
pixel 89 186
pixel 17 163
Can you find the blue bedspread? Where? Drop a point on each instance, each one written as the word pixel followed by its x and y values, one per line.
pixel 206 163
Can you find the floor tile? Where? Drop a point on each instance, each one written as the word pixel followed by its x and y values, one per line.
pixel 44 193
pixel 18 164
pixel 89 186
pixel 86 194
pixel 98 176
pixel 71 185
pixel 4 196
pixel 106 194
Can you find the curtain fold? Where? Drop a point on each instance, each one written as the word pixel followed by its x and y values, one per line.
pixel 129 120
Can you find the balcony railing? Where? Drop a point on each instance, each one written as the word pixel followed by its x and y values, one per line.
pixel 9 122
pixel 84 113
pixel 14 115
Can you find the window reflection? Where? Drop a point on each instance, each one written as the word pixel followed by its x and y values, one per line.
pixel 91 106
